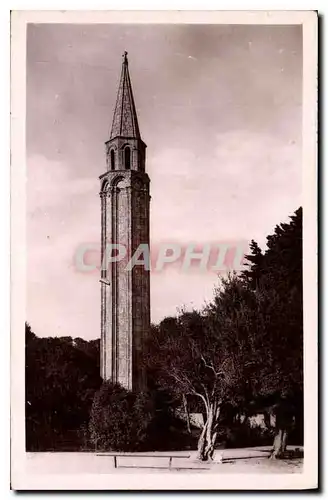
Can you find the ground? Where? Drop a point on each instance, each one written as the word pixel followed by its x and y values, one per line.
pixel 242 460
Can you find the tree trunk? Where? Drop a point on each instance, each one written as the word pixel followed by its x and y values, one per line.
pixel 185 407
pixel 279 444
pixel 267 420
pixel 201 443
pixel 283 423
pixel 207 439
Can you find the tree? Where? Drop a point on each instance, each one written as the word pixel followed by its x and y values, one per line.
pixel 276 277
pixel 192 358
pixel 281 264
pixel 61 379
pixel 254 260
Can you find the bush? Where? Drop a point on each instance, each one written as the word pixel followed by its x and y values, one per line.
pixel 120 420
pixel 244 435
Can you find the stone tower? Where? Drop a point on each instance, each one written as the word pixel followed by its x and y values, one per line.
pixel 125 295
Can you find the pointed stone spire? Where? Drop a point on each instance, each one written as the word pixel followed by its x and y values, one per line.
pixel 125 121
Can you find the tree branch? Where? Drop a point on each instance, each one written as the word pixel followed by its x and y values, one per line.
pixel 211 367
pixel 204 400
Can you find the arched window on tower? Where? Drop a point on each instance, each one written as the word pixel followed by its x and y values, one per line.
pixel 112 159
pixel 127 158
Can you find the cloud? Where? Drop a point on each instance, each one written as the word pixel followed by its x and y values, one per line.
pixel 62 213
pixel 50 184
pixel 227 196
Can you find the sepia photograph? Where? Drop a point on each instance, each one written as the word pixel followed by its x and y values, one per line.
pixel 164 267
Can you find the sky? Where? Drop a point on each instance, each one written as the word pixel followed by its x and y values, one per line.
pixel 220 109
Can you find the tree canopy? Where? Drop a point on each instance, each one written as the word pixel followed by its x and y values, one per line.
pixel 62 375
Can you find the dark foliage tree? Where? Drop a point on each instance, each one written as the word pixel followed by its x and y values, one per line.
pixel 276 277
pixel 254 260
pixel 280 265
pixel 61 378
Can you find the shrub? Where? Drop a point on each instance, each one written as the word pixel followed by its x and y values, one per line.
pixel 244 435
pixel 120 420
